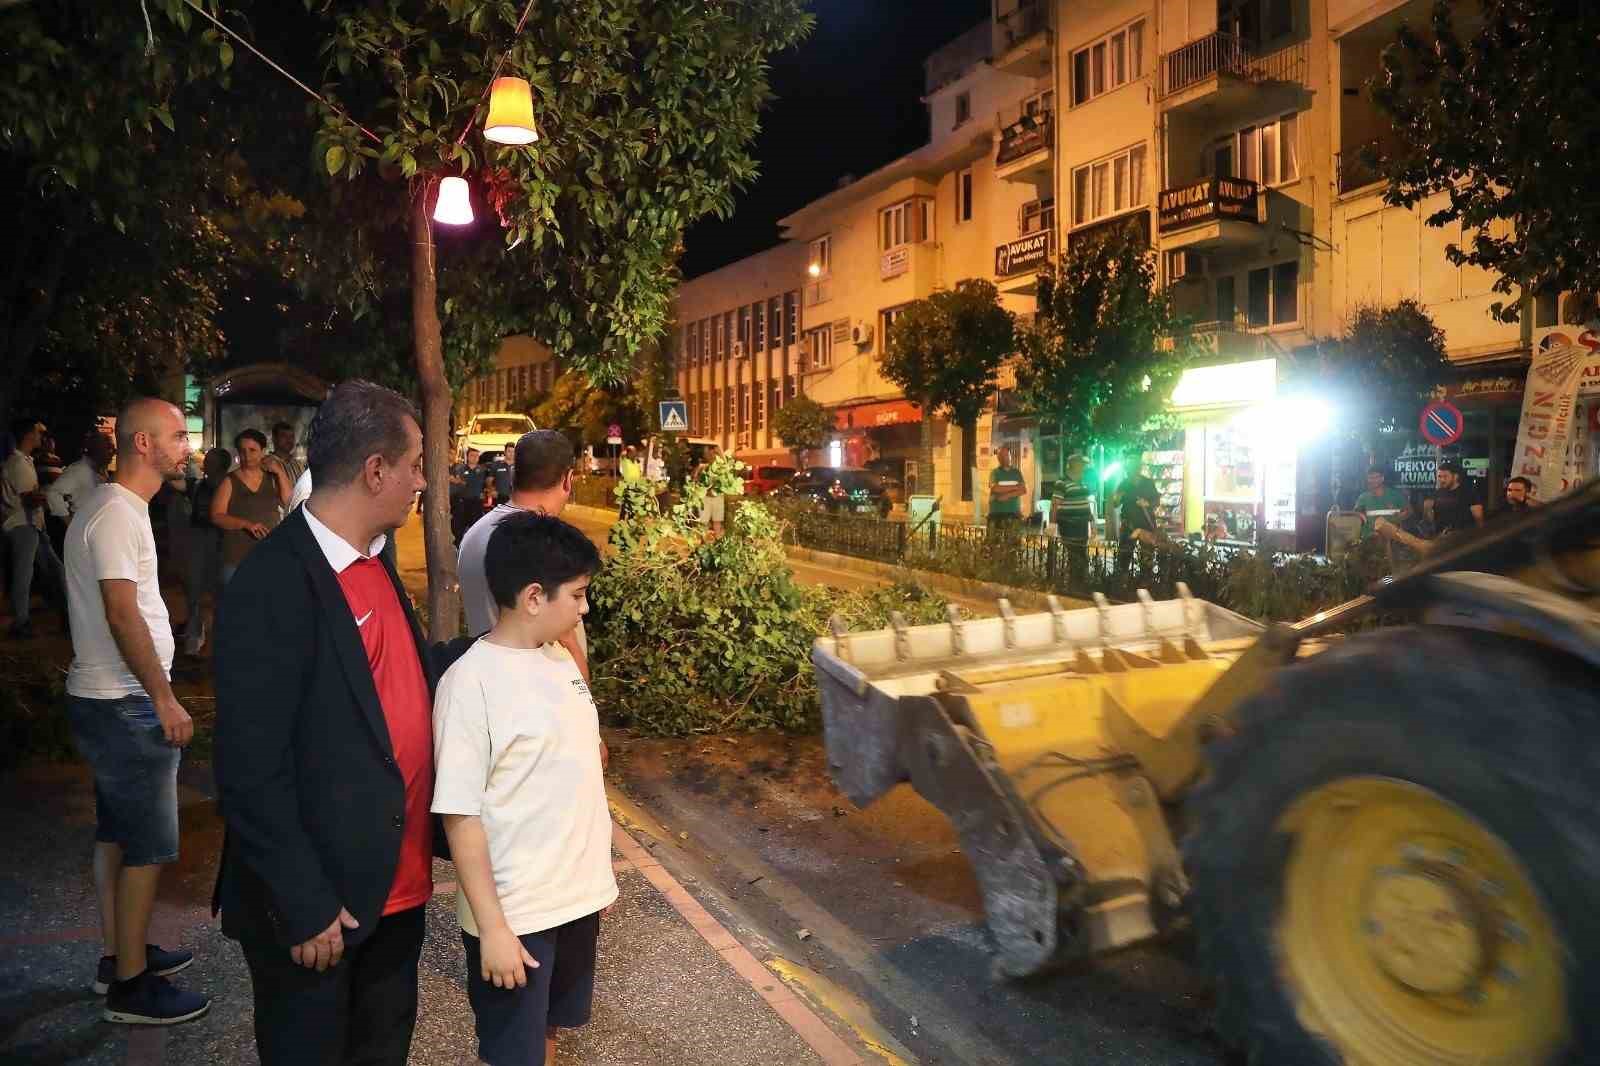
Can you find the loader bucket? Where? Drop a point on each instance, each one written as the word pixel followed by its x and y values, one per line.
pixel 1029 733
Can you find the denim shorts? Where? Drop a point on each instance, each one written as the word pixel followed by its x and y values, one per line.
pixel 135 776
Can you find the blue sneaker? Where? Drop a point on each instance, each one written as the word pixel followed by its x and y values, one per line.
pixel 151 1000
pixel 157 960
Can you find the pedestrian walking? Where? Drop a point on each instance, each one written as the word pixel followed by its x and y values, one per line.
pixel 543 483
pixel 202 574
pixel 519 784
pixel 22 503
pixel 248 503
pixel 125 720
pixel 324 752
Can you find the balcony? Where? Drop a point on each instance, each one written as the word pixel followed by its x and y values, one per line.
pixel 1021 259
pixel 1225 75
pixel 1232 339
pixel 1211 213
pixel 1022 40
pixel 1027 138
pixel 1358 166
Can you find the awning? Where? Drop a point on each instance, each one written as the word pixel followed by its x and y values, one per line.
pixel 876 415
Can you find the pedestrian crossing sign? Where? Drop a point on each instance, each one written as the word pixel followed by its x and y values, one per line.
pixel 674 416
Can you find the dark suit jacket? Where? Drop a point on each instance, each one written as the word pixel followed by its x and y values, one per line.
pixel 307 782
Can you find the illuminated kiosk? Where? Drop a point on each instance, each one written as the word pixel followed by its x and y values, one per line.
pixel 1241 439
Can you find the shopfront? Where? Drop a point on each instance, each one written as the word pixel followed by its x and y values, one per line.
pixel 1234 481
pixel 883 434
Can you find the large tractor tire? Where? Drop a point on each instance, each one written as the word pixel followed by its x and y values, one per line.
pixel 1395 857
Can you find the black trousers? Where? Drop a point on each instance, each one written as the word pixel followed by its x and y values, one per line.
pixel 358 1013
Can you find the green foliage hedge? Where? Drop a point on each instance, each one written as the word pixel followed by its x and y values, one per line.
pixel 693 634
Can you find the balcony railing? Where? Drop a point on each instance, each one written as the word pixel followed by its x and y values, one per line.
pixel 1024 132
pixel 1207 200
pixel 1225 53
pixel 1359 166
pixel 1018 25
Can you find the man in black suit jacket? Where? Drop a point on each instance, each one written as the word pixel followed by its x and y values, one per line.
pixel 324 758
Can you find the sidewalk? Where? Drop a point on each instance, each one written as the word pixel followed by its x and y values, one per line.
pixel 674 986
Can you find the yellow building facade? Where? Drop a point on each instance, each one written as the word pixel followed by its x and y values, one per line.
pixel 522 369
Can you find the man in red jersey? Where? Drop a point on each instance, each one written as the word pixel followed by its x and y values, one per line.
pixel 324 753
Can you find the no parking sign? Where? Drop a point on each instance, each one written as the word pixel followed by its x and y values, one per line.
pixel 1442 423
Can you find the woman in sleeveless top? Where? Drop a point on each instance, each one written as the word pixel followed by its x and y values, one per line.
pixel 247 504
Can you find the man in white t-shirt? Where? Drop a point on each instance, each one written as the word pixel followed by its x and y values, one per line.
pixel 518 780
pixel 22 518
pixel 543 482
pixel 124 717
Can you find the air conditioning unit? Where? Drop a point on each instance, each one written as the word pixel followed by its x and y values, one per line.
pixel 861 333
pixel 737 349
pixel 1185 264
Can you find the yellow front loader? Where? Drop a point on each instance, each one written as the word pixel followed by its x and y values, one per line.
pixel 1386 843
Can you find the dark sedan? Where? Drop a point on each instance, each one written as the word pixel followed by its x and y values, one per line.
pixel 838 490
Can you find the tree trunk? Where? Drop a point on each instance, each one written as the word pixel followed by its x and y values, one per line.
pixel 444 593
pixel 925 479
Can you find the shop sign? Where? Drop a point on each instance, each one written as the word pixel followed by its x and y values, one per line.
pixel 1022 255
pixel 1442 423
pixel 895 262
pixel 1549 405
pixel 1206 200
pixel 1416 468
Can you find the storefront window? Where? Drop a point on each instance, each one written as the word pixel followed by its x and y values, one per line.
pixel 1232 466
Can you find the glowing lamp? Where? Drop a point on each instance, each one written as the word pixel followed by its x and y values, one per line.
pixel 510 118
pixel 815 270
pixel 454 207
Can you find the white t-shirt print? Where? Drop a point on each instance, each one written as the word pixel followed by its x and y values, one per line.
pixel 516 741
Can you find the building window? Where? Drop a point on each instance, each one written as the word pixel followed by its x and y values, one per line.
pixel 1109 187
pixel 744 325
pixel 1227 306
pixel 1109 63
pixel 790 386
pixel 909 222
pixel 1269 153
pixel 761 405
pixel 1545 309
pixel 791 317
pixel 964 196
pixel 819 348
pixel 1256 22
pixel 1037 216
pixel 705 339
pixel 820 264
pixel 759 341
pixel 1275 295
pixel 775 322
pixel 777 394
pixel 732 425
pixel 691 341
pixel 722 335
pixel 963 108
pixel 886 324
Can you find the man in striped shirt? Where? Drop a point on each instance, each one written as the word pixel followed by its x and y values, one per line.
pixel 1072 503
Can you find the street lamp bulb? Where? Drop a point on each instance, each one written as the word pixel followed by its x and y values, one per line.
pixel 510 119
pixel 815 270
pixel 455 206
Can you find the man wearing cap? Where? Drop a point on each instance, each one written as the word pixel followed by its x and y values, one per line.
pixel 1071 502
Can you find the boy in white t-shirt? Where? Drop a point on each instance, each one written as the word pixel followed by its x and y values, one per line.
pixel 518 780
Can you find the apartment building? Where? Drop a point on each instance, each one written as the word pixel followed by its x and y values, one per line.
pixel 522 369
pixel 739 353
pixel 975 202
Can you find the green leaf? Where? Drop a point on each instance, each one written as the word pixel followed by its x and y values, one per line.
pixel 335 158
pixel 225 53
pixel 166 118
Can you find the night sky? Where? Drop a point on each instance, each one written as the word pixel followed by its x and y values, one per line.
pixel 848 101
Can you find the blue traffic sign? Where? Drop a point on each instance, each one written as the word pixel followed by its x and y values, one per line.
pixel 1442 423
pixel 674 416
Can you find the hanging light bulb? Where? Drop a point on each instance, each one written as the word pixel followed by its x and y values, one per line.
pixel 510 118
pixel 454 207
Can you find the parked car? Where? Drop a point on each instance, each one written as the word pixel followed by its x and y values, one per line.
pixel 764 479
pixel 838 490
pixel 492 431
pixel 893 472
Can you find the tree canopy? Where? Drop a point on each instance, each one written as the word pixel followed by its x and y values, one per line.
pixel 1106 347
pixel 1497 110
pixel 803 424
